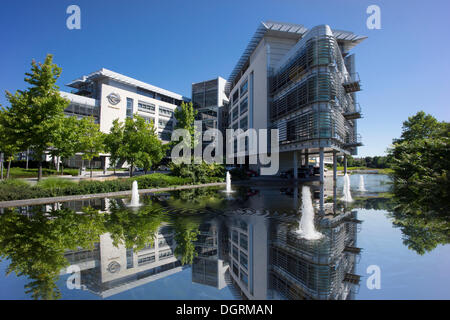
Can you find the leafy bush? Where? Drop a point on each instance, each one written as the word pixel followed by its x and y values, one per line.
pixel 54 183
pixel 160 180
pixel 199 173
pixel 14 182
pixel 53 187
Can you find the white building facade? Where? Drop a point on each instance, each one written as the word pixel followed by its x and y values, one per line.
pixel 107 95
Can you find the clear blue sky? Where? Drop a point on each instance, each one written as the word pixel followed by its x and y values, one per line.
pixel 404 67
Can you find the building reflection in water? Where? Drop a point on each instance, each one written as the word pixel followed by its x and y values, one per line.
pixel 256 254
pixel 267 260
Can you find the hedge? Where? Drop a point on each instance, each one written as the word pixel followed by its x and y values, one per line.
pixel 10 190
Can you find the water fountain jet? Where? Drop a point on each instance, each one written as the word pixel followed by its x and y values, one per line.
pixel 134 195
pixel 306 229
pixel 346 189
pixel 362 187
pixel 228 180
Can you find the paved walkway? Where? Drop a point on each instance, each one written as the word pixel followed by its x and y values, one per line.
pixel 37 201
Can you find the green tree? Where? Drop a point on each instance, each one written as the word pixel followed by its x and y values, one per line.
pixel 90 140
pixel 113 143
pixel 420 161
pixel 134 228
pixel 35 244
pixel 153 149
pixel 8 145
pixel 186 232
pixel 198 172
pixel 140 145
pixel 36 112
pixel 66 138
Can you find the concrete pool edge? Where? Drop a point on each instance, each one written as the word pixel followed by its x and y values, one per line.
pixel 37 201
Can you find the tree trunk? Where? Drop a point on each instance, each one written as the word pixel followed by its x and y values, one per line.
pixel 90 166
pixel 9 169
pixel 40 170
pixel 1 166
pixel 131 170
pixel 62 169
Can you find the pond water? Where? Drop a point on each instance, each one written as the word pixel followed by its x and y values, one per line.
pixel 207 244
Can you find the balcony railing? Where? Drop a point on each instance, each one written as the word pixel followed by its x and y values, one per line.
pixel 354 113
pixel 352 84
pixel 353 141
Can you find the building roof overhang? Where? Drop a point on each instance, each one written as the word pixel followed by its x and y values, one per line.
pixel 290 30
pixel 105 73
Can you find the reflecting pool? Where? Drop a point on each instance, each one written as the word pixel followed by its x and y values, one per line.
pixel 207 244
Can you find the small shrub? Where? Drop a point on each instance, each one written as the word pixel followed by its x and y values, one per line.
pixel 54 183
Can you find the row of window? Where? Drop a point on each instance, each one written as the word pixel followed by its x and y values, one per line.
pixel 165 254
pixel 147 107
pixel 158 96
pixel 240 238
pixel 243 90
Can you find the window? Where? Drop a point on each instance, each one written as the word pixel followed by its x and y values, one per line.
pixel 165 254
pixel 146 259
pixel 243 241
pixel 244 88
pixel 244 260
pixel 244 123
pixel 235 113
pixel 243 277
pixel 165 112
pixel 235 269
pixel 235 125
pixel 235 236
pixel 146 107
pixel 244 106
pixel 130 262
pixel 129 108
pixel 235 253
pixel 235 96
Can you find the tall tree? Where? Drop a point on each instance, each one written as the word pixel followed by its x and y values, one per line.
pixel 90 140
pixel 140 145
pixel 154 150
pixel 8 145
pixel 420 161
pixel 37 110
pixel 66 138
pixel 113 143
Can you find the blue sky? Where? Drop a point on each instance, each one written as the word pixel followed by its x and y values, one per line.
pixel 404 67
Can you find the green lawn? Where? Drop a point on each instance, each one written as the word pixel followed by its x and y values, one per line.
pixel 380 171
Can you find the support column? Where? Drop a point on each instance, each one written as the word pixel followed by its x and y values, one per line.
pixel 322 185
pixel 345 164
pixel 295 165
pixel 334 167
pixel 334 181
pixel 306 157
pixel 321 158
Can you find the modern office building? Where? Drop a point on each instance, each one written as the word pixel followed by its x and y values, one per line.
pixel 302 82
pixel 211 102
pixel 269 260
pixel 110 269
pixel 107 95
